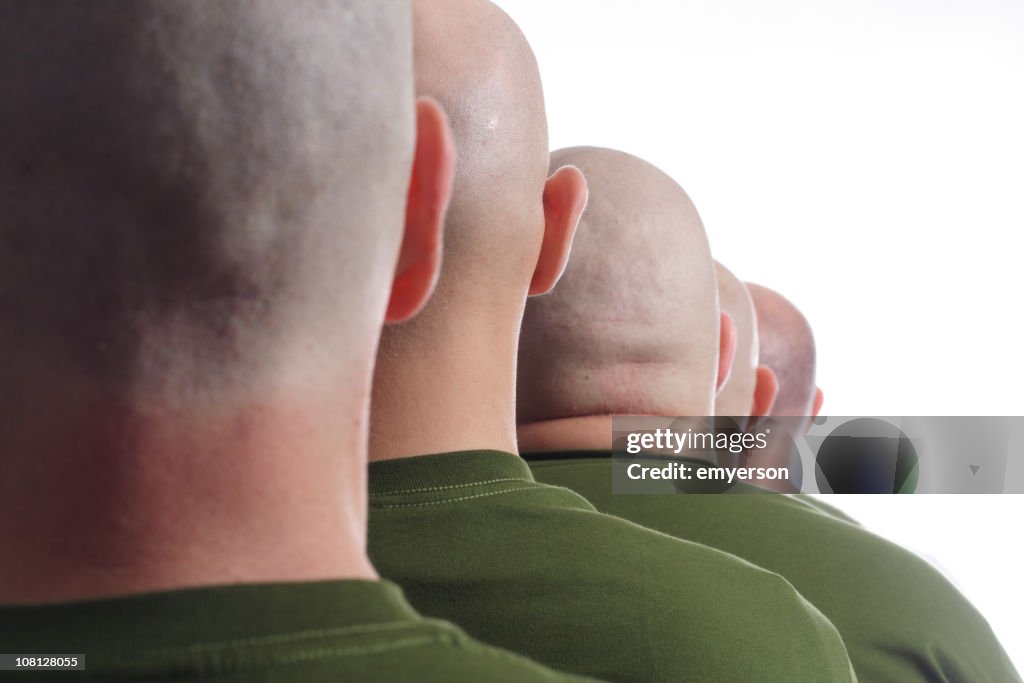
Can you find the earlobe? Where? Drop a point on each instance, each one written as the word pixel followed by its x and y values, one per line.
pixel 819 401
pixel 430 188
pixel 565 197
pixel 726 349
pixel 766 389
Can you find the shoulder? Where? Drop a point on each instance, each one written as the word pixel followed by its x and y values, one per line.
pixel 665 591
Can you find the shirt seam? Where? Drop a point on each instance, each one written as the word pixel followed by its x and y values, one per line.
pixel 277 639
pixel 450 487
pixel 562 464
pixel 535 487
pixel 341 652
pixel 300 657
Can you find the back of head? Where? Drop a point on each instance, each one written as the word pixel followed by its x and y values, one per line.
pixel 199 196
pixel 506 236
pixel 736 396
pixel 787 347
pixel 633 326
pixel 473 59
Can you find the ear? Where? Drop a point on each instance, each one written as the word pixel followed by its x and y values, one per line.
pixel 565 197
pixel 765 391
pixel 430 188
pixel 819 400
pixel 726 349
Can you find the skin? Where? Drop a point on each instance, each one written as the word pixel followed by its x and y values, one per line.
pixel 750 388
pixel 635 326
pixel 189 299
pixel 508 234
pixel 787 347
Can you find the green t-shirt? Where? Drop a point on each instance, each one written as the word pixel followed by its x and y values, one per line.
pixel 471 537
pixel 334 632
pixel 900 618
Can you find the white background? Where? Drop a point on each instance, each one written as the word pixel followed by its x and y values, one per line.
pixel 866 159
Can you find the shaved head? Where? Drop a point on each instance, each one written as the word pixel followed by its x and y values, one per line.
pixel 207 212
pixel 737 394
pixel 787 347
pixel 200 192
pixel 633 327
pixel 507 233
pixel 473 59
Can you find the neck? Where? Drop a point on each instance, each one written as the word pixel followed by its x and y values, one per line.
pixel 443 386
pixel 107 495
pixel 584 433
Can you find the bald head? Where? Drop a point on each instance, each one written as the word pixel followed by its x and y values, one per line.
pixel 633 326
pixel 507 235
pixel 787 347
pixel 473 59
pixel 199 188
pixel 736 396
